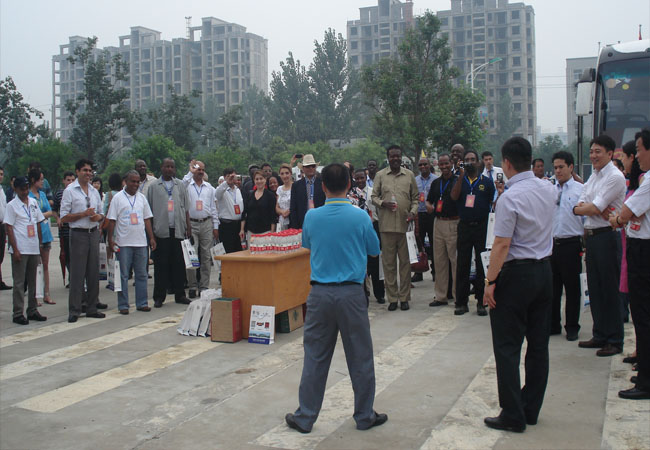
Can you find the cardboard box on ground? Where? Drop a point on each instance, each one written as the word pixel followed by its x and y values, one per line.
pixel 290 320
pixel 226 320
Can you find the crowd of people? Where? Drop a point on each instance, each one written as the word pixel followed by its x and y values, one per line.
pixel 143 219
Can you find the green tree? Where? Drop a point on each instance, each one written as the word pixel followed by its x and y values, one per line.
pixel 55 157
pixel 413 93
pixel 226 127
pixel 175 119
pixel 156 148
pixel 222 157
pixel 550 145
pixel 291 112
pixel 16 125
pixel 99 112
pixel 461 124
pixel 506 119
pixel 117 165
pixel 255 117
pixel 335 86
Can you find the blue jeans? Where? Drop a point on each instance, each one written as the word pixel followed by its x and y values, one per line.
pixel 135 257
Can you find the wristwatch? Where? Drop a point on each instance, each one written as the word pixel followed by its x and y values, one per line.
pixel 489 283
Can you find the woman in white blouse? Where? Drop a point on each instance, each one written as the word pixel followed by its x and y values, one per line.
pixel 284 197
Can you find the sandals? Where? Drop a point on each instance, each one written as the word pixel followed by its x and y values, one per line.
pixel 49 300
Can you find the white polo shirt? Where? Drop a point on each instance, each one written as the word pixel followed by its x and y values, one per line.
pixel 129 213
pixel 21 217
pixel 639 204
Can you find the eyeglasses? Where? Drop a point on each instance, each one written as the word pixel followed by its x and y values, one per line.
pixel 422 164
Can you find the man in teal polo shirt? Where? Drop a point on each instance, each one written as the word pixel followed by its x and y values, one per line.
pixel 340 237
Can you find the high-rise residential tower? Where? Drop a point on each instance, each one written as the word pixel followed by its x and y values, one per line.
pixel 218 58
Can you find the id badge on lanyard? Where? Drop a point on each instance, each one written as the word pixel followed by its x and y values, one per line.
pixel 422 196
pixel 170 205
pixel 469 201
pixel 199 205
pixel 31 230
pixel 134 218
pixel 439 206
pixel 237 209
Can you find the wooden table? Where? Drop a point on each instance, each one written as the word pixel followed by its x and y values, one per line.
pixel 280 280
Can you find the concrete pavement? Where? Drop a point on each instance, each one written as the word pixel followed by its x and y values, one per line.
pixel 134 382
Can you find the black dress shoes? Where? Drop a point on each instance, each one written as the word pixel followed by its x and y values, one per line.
pixel 380 419
pixel 460 310
pixel 416 277
pixel 124 312
pixel 404 306
pixel 21 320
pixel 499 423
pixel 437 303
pixel 292 424
pixel 37 316
pixel 72 318
pixel 572 336
pixel 96 315
pixel 634 379
pixel 183 301
pixel 192 293
pixel 392 306
pixel 630 359
pixel 157 304
pixel 609 350
pixel 381 301
pixel 5 287
pixel 591 343
pixel 480 310
pixel 101 305
pixel 634 394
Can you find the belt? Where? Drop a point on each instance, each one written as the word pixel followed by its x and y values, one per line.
pixel 199 220
pixel 595 231
pixel 343 283
pixel 567 240
pixel 228 220
pixel 84 230
pixel 473 222
pixel 447 218
pixel 519 262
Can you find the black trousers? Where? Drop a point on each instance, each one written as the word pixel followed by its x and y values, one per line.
pixel 603 281
pixel 566 266
pixel 169 268
pixel 425 224
pixel 3 240
pixel 471 235
pixel 638 281
pixel 373 270
pixel 229 236
pixel 523 302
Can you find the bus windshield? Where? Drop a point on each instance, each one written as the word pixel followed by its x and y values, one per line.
pixel 623 93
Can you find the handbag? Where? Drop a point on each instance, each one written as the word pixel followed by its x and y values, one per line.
pixel 422 265
pixel 412 244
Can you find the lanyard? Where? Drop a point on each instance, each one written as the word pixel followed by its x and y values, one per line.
pixel 198 191
pixel 471 185
pixel 169 191
pixel 142 183
pixel 443 188
pixel 311 188
pixel 424 185
pixel 127 199
pixel 233 193
pixel 29 214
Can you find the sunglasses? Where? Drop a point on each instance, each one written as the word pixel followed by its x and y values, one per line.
pixel 422 164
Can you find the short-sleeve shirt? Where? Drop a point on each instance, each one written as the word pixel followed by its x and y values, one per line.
pixel 604 188
pixel 639 204
pixel 129 213
pixel 424 185
pixel 340 238
pixel 524 213
pixel 483 190
pixel 20 217
pixel 75 201
pixel 449 208
pixel 44 205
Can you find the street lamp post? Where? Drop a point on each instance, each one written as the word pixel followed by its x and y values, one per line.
pixel 473 71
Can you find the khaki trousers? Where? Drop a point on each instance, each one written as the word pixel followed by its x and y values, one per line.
pixel 445 233
pixel 393 245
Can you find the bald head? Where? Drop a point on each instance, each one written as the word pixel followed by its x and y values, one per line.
pixel 457 152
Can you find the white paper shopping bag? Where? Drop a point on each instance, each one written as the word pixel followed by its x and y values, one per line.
pixel 412 244
pixel 189 255
pixel 40 282
pixel 584 290
pixel 485 260
pixel 215 251
pixel 113 275
pixel 489 238
pixel 262 325
pixel 103 261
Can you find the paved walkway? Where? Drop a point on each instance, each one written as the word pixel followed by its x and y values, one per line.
pixel 134 382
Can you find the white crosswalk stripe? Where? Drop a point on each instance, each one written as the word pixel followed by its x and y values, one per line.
pixel 390 364
pixel 63 397
pixel 61 355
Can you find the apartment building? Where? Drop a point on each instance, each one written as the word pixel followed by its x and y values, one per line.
pixel 218 58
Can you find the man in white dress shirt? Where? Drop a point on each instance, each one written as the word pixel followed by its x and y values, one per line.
pixel 603 193
pixel 205 224
pixel 490 170
pixel 3 207
pixel 128 217
pixel 230 206
pixel 79 207
pixel 566 261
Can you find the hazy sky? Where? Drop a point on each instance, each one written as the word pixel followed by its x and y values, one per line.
pixel 32 30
